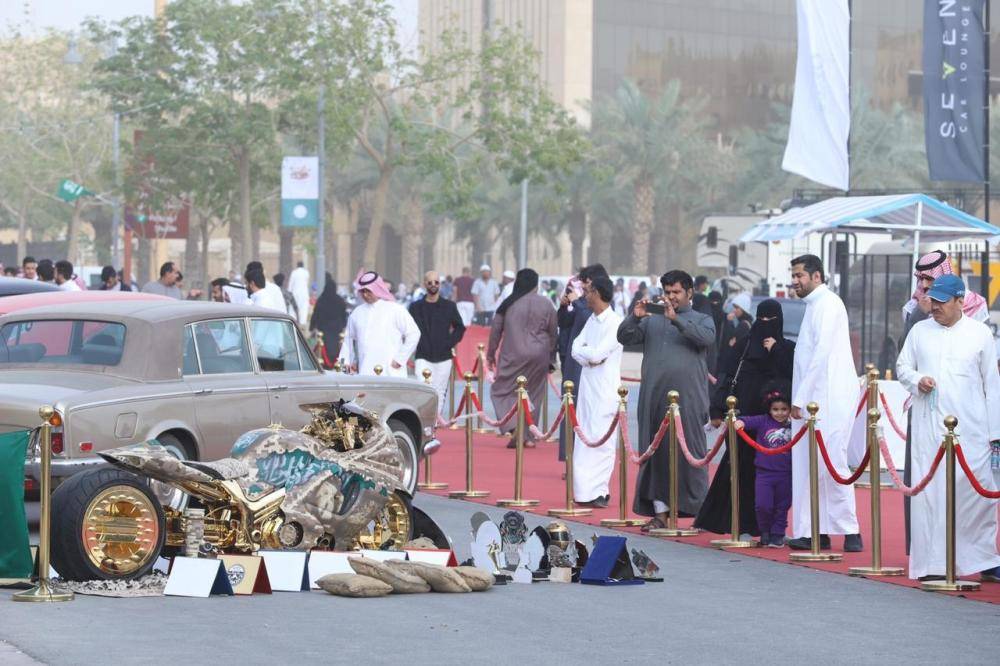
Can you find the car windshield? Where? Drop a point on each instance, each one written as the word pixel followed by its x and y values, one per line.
pixel 62 342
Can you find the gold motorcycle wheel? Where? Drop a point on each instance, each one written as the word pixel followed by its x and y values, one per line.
pixel 120 531
pixel 394 523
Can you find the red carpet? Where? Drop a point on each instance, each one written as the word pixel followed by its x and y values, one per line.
pixel 468 347
pixel 494 471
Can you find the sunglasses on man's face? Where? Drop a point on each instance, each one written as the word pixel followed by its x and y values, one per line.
pixel 433 283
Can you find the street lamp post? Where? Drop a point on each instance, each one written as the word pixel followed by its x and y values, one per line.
pixel 522 246
pixel 321 168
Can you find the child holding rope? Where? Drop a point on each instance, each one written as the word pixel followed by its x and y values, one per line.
pixel 773 486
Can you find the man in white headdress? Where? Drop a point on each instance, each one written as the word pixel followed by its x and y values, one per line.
pixel 823 373
pixel 949 366
pixel 379 330
pixel 298 285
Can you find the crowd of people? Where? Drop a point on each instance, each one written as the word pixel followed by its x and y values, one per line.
pixel 692 342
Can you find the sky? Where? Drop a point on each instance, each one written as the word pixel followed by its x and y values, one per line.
pixel 67 14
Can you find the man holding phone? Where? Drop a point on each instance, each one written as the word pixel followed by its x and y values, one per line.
pixel 675 339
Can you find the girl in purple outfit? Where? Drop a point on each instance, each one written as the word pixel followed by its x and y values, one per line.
pixel 773 485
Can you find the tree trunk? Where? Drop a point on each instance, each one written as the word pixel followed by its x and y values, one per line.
pixel 206 238
pixel 241 258
pixel 194 278
pixel 642 224
pixel 22 228
pixel 577 233
pixel 72 234
pixel 413 240
pixel 600 244
pixel 286 240
pixel 379 204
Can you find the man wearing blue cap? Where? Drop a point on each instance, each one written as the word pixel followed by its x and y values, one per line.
pixel 949 366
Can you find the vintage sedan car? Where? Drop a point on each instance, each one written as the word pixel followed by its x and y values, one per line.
pixel 38 299
pixel 15 286
pixel 193 375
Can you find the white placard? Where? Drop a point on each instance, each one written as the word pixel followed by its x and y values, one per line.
pixel 383 555
pixel 300 178
pixel 286 569
pixel 197 577
pixel 444 558
pixel 323 562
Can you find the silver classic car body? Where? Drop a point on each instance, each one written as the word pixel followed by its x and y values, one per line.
pixel 195 375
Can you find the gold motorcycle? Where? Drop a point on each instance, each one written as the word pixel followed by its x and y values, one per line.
pixel 335 484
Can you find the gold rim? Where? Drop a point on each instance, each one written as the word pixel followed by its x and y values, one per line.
pixel 120 530
pixel 391 524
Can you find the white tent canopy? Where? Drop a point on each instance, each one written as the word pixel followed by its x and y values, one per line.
pixel 903 215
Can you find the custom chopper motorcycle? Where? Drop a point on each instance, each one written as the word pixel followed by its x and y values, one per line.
pixel 335 484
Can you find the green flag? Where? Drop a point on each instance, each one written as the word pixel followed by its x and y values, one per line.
pixel 69 191
pixel 15 556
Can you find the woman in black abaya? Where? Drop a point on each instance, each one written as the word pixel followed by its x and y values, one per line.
pixel 765 359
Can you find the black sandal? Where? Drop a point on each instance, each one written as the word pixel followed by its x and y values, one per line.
pixel 653 524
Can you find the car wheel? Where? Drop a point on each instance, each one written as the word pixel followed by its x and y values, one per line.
pixel 408 453
pixel 171 496
pixel 107 524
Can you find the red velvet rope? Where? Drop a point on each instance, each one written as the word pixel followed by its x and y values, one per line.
pixel 682 440
pixel 547 436
pixel 892 419
pixel 526 408
pixel 905 489
pixel 458 416
pixel 989 494
pixel 833 472
pixel 653 446
pixel 458 368
pixel 583 437
pixel 320 350
pixel 775 451
pixel 488 420
pixel 861 405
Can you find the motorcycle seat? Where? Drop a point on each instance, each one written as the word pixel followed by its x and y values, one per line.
pixel 225 469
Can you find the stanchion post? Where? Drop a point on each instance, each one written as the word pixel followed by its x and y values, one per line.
pixel 814 555
pixel 43 590
pixel 875 469
pixel 481 386
pixel 469 492
pixel 950 582
pixel 428 483
pixel 518 500
pixel 673 529
pixel 452 378
pixel 871 402
pixel 622 520
pixel 569 442
pixel 733 449
pixel 378 370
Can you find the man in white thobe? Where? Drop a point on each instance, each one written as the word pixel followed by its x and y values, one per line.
pixel 379 331
pixel 599 353
pixel 264 294
pixel 949 366
pixel 298 285
pixel 823 373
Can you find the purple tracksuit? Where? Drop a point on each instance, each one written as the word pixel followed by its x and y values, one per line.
pixel 773 487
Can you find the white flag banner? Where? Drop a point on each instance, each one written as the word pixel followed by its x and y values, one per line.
pixel 821 107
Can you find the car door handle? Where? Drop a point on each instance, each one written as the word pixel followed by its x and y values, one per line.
pixel 204 391
pixel 280 387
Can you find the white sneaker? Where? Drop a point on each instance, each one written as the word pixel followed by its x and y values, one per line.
pixel 746 537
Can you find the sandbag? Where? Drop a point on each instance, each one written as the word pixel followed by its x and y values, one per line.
pixel 353 585
pixel 441 579
pixel 477 579
pixel 400 581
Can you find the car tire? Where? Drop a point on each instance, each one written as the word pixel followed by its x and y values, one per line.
pixel 71 504
pixel 408 452
pixel 171 496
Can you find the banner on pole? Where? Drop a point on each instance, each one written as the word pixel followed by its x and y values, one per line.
pixel 821 105
pixel 954 71
pixel 15 555
pixel 299 191
pixel 69 191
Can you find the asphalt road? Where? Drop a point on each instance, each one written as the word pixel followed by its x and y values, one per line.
pixel 714 607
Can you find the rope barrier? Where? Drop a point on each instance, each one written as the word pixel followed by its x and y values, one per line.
pixel 653 446
pixel 458 368
pixel 583 438
pixel 536 433
pixel 864 401
pixel 892 419
pixel 778 449
pixel 909 491
pixel 320 350
pixel 458 416
pixel 482 414
pixel 833 471
pixel 682 440
pixel 989 494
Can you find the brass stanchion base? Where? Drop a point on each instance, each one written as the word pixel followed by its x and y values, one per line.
pixel 455 426
pixel 575 511
pixel 873 571
pixel 468 494
pixel 517 503
pixel 671 532
pixel 734 543
pixel 619 522
pixel 815 557
pixel 42 592
pixel 484 431
pixel 432 485
pixel 945 586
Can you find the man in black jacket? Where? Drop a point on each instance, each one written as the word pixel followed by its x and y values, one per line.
pixel 441 329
